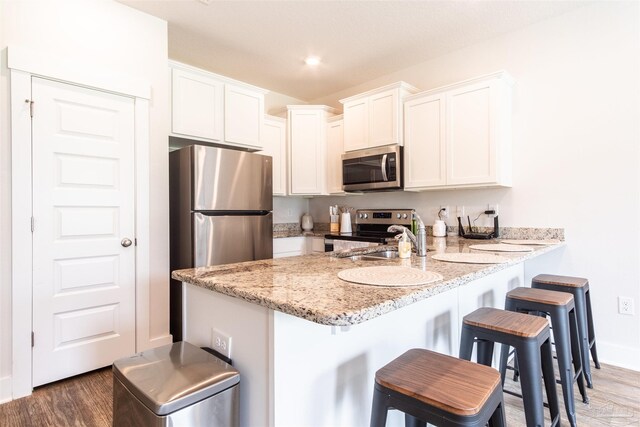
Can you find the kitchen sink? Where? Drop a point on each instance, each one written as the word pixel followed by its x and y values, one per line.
pixel 376 256
pixel 383 255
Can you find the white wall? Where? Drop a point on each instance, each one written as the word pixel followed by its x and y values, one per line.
pixel 576 158
pixel 119 41
pixel 289 209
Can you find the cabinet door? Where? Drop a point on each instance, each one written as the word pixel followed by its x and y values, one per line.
pixel 424 142
pixel 356 125
pixel 274 142
pixel 471 149
pixel 289 246
pixel 244 110
pixel 308 152
pixel 335 148
pixel 384 112
pixel 197 105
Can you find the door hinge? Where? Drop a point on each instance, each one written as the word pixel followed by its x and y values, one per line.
pixel 33 339
pixel 135 241
pixel 30 102
pixel 33 224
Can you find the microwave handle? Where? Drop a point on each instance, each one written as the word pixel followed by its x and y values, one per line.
pixel 383 167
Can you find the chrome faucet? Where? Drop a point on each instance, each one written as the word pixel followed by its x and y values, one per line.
pixel 420 242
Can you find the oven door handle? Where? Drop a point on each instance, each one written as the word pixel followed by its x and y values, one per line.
pixel 383 167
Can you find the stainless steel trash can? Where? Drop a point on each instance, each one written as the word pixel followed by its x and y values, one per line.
pixel 175 385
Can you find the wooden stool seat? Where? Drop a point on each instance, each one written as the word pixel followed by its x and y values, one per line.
pixel 551 279
pixel 507 322
pixel 541 295
pixel 454 385
pixel 437 389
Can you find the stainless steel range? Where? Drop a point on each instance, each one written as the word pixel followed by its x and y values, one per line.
pixel 370 227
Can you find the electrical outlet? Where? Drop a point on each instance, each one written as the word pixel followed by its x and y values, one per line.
pixel 221 342
pixel 493 207
pixel 625 306
pixel 460 211
pixel 444 213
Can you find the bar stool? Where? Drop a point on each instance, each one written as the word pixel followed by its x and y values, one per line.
pixel 559 306
pixel 579 288
pixel 530 337
pixel 438 389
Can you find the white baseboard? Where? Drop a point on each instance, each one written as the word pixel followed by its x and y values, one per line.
pixel 5 389
pixel 617 355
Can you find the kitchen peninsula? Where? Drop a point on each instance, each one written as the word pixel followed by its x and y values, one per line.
pixel 307 344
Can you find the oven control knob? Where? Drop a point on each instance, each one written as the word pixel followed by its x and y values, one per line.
pixel 366 216
pixel 404 216
pixel 398 215
pixel 360 216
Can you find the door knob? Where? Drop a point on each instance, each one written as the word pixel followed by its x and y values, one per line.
pixel 126 242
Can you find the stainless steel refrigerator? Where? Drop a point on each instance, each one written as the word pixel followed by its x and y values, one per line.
pixel 220 212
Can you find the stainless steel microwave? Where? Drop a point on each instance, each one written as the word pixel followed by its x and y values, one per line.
pixel 372 169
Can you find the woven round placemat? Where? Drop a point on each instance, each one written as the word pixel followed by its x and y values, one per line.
pixel 389 276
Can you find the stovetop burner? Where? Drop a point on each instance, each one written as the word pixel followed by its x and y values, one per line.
pixel 371 225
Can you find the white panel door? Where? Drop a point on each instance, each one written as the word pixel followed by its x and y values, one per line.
pixel 356 125
pixel 424 142
pixel 243 113
pixel 83 207
pixel 335 147
pixel 274 139
pixel 308 152
pixel 197 103
pixel 384 111
pixel 471 149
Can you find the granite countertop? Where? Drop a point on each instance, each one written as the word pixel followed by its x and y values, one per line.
pixel 308 286
pixel 293 229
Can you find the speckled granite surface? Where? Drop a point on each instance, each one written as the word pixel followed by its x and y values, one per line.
pixel 293 229
pixel 308 286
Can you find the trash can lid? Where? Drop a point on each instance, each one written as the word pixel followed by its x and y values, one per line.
pixel 174 376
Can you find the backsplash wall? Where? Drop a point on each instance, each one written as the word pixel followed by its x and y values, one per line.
pixel 427 204
pixel 289 209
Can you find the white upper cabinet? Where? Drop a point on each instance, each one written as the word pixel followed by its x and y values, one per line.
pixel 213 108
pixel 274 138
pixel 307 140
pixel 335 148
pixel 356 124
pixel 424 142
pixel 374 118
pixel 459 135
pixel 197 105
pixel 243 113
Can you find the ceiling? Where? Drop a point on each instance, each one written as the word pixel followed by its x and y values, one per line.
pixel 265 42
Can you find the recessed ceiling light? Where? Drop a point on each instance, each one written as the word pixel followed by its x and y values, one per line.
pixel 312 61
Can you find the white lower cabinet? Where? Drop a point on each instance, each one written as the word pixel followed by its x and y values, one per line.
pixel 274 140
pixel 315 245
pixel 289 246
pixel 300 245
pixel 459 135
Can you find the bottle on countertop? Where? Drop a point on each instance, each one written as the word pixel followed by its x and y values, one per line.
pixel 334 219
pixel 439 228
pixel 404 246
pixel 307 222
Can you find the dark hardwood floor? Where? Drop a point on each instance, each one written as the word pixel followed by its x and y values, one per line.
pixel 85 400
